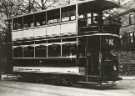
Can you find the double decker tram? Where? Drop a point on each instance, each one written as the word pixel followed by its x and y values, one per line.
pixel 70 44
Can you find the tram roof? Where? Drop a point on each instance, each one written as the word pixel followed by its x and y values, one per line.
pixel 99 5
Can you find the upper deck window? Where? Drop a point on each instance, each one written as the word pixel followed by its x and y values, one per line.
pixel 40 19
pixel 53 16
pixel 28 21
pixel 88 18
pixel 17 23
pixel 68 13
pixel 92 18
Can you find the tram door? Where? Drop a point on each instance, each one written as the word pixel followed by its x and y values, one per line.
pixel 92 53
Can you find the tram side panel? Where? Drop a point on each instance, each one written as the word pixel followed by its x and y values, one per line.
pixel 45 69
pixel 27 61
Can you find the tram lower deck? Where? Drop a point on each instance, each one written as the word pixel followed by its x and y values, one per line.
pixel 96 60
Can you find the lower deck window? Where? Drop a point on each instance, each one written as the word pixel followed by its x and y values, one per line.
pixel 29 51
pixel 69 49
pixel 18 52
pixel 54 50
pixel 40 51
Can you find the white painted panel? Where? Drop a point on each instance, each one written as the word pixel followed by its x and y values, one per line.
pixel 22 34
pixel 62 70
pixel 16 35
pixel 68 28
pixel 28 33
pixel 53 30
pixel 39 32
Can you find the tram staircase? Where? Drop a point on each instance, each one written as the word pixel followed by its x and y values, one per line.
pixel 127 63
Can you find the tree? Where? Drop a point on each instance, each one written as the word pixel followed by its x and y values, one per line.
pixel 7 9
pixel 11 7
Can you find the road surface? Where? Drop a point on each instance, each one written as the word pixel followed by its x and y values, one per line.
pixel 13 88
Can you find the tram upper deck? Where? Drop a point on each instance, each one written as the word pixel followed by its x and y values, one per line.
pixel 78 19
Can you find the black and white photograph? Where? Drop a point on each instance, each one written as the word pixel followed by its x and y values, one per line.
pixel 67 47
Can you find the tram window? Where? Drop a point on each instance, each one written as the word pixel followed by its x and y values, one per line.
pixel 131 36
pixel 92 18
pixel 82 20
pixel 17 23
pixel 54 50
pixel 28 21
pixel 40 19
pixel 14 24
pixel 40 51
pixel 95 18
pixel 69 49
pixel 68 13
pixel 18 52
pixel 89 19
pixel 89 15
pixel 130 41
pixel 81 16
pixel 29 51
pixel 53 16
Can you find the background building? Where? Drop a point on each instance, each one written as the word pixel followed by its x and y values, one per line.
pixel 127 32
